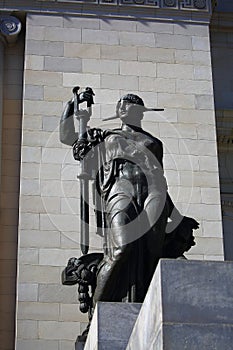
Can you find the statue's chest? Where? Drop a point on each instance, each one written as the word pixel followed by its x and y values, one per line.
pixel 136 138
pixel 128 144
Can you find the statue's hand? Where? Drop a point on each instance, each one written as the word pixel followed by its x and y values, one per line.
pixel 87 96
pixel 80 149
pixel 181 239
pixel 191 223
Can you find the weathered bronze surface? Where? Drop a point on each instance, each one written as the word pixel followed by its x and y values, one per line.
pixel 132 205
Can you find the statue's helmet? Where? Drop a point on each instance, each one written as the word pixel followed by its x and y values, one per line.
pixel 132 99
pixel 138 107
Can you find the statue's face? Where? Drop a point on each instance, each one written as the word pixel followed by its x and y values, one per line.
pixel 129 112
pixel 124 109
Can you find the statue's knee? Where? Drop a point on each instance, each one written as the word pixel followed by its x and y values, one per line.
pixel 118 218
pixel 154 206
pixel 118 253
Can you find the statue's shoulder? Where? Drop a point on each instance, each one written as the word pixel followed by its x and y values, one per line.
pixel 158 141
pixel 153 138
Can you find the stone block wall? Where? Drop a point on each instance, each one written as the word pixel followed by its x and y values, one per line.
pixel 166 63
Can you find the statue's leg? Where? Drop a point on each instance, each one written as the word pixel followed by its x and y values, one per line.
pixel 157 214
pixel 113 275
pixel 135 238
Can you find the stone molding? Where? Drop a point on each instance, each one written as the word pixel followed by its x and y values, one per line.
pixel 197 11
pixel 203 5
pixel 10 27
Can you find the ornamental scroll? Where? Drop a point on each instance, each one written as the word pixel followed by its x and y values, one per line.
pixel 10 27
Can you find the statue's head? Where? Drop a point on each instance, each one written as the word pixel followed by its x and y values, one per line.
pixel 130 109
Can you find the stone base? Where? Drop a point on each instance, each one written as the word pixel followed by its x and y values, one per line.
pixel 111 326
pixel 80 343
pixel 188 306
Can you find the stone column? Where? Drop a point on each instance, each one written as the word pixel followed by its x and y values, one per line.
pixel 10 27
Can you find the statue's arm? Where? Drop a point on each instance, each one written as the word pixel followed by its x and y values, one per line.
pixel 67 131
pixel 173 212
pixel 177 219
pixel 170 206
pixel 159 152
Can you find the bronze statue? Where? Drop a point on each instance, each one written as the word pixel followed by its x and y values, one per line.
pixel 132 204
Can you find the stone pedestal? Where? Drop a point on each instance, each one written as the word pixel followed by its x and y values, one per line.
pixel 111 326
pixel 188 306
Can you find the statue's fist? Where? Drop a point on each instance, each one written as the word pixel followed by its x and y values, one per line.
pixel 87 96
pixel 190 222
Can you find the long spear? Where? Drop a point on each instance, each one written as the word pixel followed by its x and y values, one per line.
pixel 83 177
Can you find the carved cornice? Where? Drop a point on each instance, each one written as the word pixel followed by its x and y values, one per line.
pixel 193 5
pixel 10 27
pixel 199 11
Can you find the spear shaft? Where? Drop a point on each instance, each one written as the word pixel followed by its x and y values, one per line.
pixel 83 177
